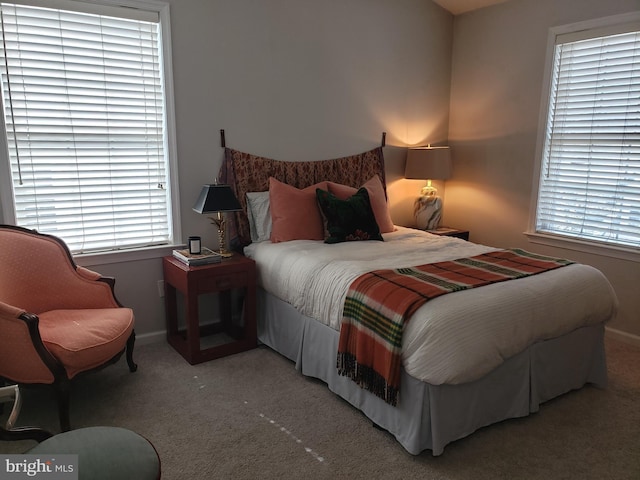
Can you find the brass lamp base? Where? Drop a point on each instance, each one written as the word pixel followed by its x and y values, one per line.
pixel 220 223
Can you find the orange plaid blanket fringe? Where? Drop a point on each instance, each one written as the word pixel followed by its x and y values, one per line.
pixel 379 303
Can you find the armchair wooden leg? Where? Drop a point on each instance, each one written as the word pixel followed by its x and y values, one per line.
pixel 130 343
pixel 63 393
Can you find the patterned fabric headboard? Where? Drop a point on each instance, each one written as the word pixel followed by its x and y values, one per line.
pixel 249 173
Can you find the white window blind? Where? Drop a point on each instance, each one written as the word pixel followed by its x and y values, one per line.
pixel 590 173
pixel 85 126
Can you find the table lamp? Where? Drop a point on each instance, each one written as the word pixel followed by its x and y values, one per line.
pixel 428 163
pixel 217 199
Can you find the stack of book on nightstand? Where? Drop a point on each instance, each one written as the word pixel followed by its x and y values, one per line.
pixel 205 257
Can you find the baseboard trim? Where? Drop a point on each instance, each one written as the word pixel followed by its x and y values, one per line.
pixel 623 336
pixel 153 337
pixel 161 335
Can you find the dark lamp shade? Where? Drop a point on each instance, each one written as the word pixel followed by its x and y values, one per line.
pixel 216 198
pixel 428 163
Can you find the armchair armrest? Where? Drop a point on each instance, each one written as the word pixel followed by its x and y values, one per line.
pixel 88 274
pixel 9 311
pixel 10 431
pixel 97 277
pixel 20 332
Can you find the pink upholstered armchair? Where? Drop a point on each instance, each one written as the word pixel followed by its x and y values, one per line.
pixel 57 319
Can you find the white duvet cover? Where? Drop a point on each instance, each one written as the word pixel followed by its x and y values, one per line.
pixel 454 338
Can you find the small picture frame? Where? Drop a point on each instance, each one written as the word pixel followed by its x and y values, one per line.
pixel 195 245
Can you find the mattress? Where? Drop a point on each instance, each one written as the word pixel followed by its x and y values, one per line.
pixel 453 339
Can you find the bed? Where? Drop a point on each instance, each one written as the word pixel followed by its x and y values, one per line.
pixel 470 358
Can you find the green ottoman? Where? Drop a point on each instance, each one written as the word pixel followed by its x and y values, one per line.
pixel 107 453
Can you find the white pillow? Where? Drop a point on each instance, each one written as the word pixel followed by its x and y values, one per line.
pixel 259 214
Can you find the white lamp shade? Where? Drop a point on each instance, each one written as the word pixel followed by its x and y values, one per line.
pixel 428 163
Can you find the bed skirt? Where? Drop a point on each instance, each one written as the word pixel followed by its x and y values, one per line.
pixel 429 417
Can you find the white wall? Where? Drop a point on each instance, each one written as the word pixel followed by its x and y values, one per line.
pixel 307 80
pixel 497 75
pixel 296 80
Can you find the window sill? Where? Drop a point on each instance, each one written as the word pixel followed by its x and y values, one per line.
pixel 105 258
pixel 584 246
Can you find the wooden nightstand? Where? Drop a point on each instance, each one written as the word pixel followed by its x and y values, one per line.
pixel 234 282
pixel 451 232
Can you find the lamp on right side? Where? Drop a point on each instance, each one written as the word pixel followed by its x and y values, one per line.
pixel 428 163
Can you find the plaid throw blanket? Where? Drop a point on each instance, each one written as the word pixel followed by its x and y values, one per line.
pixel 379 302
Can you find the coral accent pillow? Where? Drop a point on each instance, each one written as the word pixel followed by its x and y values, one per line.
pixel 295 214
pixel 377 198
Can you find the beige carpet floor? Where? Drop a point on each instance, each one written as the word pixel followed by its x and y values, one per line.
pixel 253 416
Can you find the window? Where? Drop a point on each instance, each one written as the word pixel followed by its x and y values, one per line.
pixel 589 185
pixel 86 125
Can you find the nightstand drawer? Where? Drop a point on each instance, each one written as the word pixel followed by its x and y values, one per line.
pixel 217 283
